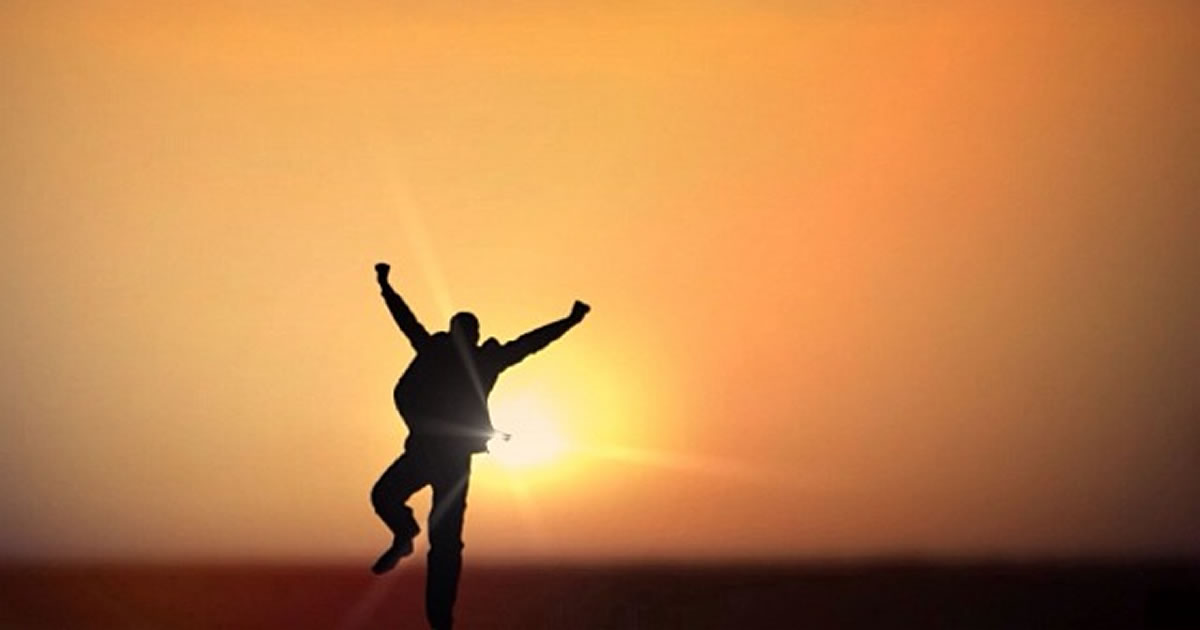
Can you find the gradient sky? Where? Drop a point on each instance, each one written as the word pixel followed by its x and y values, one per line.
pixel 866 278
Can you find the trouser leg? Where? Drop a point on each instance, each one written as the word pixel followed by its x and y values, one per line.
pixel 445 542
pixel 391 492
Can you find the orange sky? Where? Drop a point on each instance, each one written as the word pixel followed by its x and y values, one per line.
pixel 865 279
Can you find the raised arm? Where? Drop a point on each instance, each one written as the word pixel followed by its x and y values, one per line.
pixel 416 333
pixel 538 338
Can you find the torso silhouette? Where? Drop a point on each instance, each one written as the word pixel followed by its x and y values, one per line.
pixel 442 395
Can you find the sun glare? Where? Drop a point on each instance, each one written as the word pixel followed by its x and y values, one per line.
pixel 534 439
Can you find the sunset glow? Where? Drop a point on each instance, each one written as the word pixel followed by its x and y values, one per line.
pixel 533 435
pixel 865 276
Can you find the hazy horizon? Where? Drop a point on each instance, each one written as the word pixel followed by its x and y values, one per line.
pixel 866 280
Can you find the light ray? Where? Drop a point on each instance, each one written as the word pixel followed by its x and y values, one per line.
pixel 363 608
pixel 421 243
pixel 530 515
pixel 691 463
pixel 439 511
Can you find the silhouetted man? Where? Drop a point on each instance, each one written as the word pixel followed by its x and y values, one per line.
pixel 442 397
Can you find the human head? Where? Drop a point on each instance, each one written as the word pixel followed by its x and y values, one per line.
pixel 465 326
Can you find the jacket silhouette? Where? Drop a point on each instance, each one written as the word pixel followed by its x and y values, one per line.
pixel 442 397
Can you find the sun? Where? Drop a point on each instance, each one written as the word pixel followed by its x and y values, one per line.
pixel 534 439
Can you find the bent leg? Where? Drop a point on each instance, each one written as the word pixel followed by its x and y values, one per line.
pixel 445 541
pixel 391 492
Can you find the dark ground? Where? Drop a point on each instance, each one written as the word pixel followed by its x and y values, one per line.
pixel 1161 594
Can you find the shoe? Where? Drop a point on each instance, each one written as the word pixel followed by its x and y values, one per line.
pixel 400 548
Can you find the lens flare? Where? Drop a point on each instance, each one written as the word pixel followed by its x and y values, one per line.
pixel 527 435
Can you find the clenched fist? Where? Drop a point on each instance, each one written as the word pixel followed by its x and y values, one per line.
pixel 578 310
